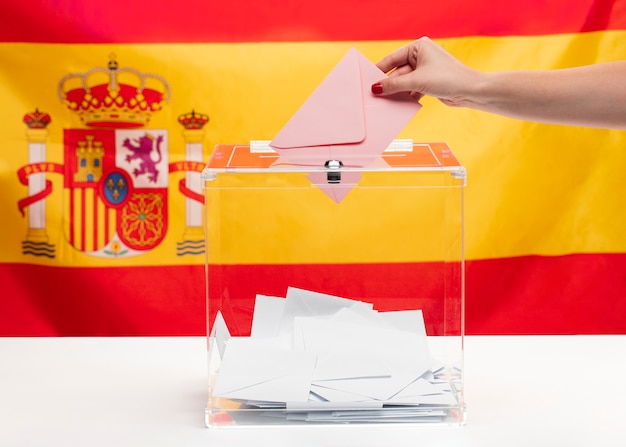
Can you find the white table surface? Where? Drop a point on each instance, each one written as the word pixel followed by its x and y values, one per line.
pixel 151 391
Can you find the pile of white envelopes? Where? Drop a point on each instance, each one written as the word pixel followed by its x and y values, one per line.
pixel 320 358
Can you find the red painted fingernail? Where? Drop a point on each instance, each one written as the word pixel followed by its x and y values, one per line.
pixel 377 88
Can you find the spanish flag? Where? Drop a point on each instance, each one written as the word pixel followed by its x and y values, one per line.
pixel 111 110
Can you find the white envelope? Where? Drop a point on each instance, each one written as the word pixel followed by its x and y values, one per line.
pixel 268 311
pixel 253 369
pixel 303 303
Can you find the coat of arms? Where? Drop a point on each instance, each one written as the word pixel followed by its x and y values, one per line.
pixel 116 171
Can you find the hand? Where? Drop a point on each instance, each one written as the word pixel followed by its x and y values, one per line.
pixel 424 68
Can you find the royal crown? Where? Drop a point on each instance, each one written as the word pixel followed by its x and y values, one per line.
pixel 193 120
pixel 37 119
pixel 114 97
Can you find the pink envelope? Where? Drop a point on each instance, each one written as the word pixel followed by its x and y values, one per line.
pixel 342 120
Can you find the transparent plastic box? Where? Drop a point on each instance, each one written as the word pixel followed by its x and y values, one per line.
pixel 335 294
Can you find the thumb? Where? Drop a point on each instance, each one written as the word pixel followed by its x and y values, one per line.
pixel 391 85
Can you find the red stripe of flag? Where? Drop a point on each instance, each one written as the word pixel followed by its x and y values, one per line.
pixel 142 21
pixel 94 231
pixel 72 225
pixel 83 220
pixel 503 296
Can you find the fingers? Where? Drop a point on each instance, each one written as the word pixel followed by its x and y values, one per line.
pixel 393 84
pixel 401 70
pixel 402 67
pixel 405 55
pixel 398 65
pixel 398 58
pixel 377 88
pixel 416 96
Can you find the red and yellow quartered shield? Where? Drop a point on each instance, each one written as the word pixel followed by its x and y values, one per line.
pixel 115 190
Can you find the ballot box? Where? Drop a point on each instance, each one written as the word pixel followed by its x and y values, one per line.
pixel 335 293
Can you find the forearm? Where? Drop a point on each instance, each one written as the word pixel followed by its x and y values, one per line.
pixel 592 96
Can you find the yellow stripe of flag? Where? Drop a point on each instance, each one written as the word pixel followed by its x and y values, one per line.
pixel 532 189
